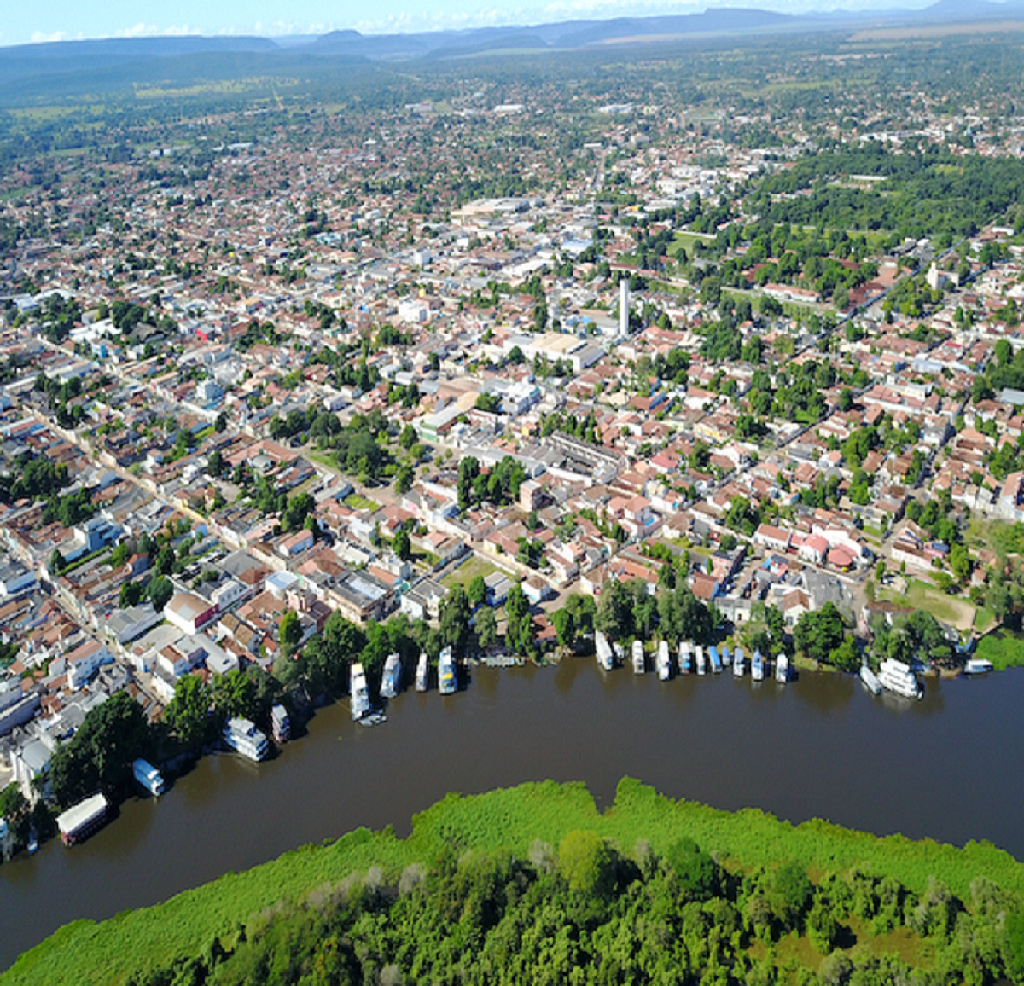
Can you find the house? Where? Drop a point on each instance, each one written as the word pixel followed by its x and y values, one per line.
pixel 83 662
pixel 773 538
pixel 182 656
pixel 1008 506
pixel 126 625
pixel 15 578
pixel 497 584
pixel 813 549
pixel 423 600
pixel 29 762
pixel 704 586
pixel 537 590
pixel 296 543
pixel 794 604
pixel 189 612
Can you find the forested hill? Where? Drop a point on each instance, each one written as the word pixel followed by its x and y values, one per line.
pixel 534 885
pixel 21 62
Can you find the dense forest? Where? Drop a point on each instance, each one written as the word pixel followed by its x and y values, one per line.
pixel 533 885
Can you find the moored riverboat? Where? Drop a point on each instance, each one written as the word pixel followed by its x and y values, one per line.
pixel 637 657
pixel 446 672
pixel 605 653
pixel 392 679
pixel 716 661
pixel 81 820
pixel 360 693
pixel 243 737
pixel 896 677
pixel 664 661
pixel 148 777
pixel 757 666
pixel 782 669
pixel 870 680
pixel 685 661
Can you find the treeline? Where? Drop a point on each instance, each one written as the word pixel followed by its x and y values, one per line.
pixel 592 912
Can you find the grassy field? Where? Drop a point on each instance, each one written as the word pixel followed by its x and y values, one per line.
pixel 1004 650
pixel 948 609
pixel 326 460
pixel 468 571
pixel 683 243
pixel 996 535
pixel 357 502
pixel 510 819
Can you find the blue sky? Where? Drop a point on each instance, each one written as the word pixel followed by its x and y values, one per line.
pixel 56 20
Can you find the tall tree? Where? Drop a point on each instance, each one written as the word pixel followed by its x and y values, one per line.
pixel 188 712
pixel 454 622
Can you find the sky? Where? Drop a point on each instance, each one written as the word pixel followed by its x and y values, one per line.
pixel 67 20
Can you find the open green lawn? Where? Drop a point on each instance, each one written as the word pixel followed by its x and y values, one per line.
pixel 685 241
pixel 357 502
pixel 996 535
pixel 326 460
pixel 1004 650
pixel 949 609
pixel 468 571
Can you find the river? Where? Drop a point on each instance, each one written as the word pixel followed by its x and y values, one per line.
pixel 948 767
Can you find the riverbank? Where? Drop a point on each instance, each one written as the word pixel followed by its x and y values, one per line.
pixel 505 819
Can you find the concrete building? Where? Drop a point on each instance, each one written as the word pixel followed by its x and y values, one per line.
pixel 189 612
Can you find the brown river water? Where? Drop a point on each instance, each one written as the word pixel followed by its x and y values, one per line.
pixel 949 767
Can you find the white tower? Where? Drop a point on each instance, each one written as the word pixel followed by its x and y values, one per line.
pixel 624 307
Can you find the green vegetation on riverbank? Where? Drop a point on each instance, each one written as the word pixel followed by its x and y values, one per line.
pixel 1004 650
pixel 922 875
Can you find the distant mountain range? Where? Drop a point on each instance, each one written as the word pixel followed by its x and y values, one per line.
pixel 20 63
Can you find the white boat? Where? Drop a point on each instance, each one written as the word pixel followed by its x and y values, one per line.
pixel 637 657
pixel 685 665
pixel 870 679
pixel 392 678
pixel 738 663
pixel 702 666
pixel 977 665
pixel 33 841
pixel 782 669
pixel 148 777
pixel 422 672
pixel 726 656
pixel 898 678
pixel 360 693
pixel 243 737
pixel 664 662
pixel 605 654
pixel 757 666
pixel 280 724
pixel 81 820
pixel 446 672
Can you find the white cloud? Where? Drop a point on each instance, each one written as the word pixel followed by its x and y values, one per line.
pixel 141 30
pixel 40 37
